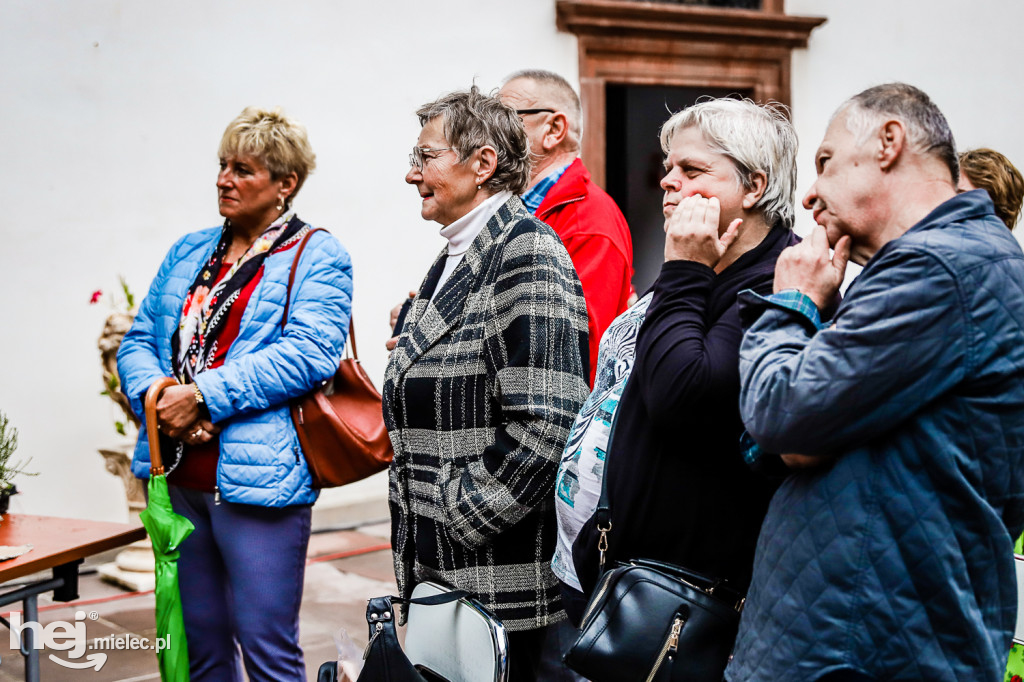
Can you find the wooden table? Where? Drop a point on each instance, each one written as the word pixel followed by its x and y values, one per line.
pixel 58 545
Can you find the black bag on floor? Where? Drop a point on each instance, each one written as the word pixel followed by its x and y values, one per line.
pixel 328 672
pixel 385 660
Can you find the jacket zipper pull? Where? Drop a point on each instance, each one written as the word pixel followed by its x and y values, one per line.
pixel 216 495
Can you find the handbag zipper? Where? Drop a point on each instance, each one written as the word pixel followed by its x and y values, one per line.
pixel 602 546
pixel 366 651
pixel 592 606
pixel 670 646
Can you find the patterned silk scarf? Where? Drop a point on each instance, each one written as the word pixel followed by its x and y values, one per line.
pixel 208 302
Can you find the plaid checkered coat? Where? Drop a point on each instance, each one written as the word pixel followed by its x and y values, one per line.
pixel 479 396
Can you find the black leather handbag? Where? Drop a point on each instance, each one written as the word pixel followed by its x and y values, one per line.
pixel 385 660
pixel 654 621
pixel 649 620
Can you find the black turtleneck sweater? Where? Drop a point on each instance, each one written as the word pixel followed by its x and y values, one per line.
pixel 678 487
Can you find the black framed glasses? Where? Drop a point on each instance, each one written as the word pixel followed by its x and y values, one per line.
pixel 417 158
pixel 524 112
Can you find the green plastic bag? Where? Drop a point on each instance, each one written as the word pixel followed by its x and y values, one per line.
pixel 167 530
pixel 1015 664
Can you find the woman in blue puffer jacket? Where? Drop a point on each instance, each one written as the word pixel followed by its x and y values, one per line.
pixel 212 320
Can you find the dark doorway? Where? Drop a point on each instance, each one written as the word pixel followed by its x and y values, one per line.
pixel 633 163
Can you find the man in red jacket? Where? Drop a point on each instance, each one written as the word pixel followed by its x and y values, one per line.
pixel 561 194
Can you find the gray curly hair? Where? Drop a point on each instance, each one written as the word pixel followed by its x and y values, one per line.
pixel 473 120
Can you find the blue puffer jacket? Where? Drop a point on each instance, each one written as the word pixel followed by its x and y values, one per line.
pixel 894 558
pixel 260 462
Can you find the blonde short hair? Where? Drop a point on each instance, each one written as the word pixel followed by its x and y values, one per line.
pixel 279 142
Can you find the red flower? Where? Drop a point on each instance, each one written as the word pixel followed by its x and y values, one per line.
pixel 96 296
pixel 1015 678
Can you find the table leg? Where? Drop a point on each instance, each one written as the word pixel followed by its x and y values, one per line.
pixel 28 639
pixel 28 595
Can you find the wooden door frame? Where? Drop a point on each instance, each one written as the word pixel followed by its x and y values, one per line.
pixel 647 43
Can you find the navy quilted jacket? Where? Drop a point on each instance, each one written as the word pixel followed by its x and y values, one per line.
pixel 260 458
pixel 895 558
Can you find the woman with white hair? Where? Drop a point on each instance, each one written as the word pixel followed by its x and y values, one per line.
pixel 213 320
pixel 680 491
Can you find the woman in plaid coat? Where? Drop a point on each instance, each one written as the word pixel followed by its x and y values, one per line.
pixel 485 381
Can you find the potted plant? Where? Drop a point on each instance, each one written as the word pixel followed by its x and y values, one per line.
pixel 9 467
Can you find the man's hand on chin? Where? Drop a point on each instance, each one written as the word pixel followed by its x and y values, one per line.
pixel 810 269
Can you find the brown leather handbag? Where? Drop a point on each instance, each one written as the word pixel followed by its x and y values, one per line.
pixel 340 425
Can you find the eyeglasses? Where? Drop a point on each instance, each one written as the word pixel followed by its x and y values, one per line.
pixel 417 159
pixel 524 112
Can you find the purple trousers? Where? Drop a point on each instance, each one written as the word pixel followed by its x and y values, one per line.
pixel 240 574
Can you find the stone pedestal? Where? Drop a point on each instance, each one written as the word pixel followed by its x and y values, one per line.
pixel 133 567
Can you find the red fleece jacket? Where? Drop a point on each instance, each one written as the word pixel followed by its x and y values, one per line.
pixel 597 238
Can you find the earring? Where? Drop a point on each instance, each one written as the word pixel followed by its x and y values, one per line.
pixel 280 204
pixel 478 186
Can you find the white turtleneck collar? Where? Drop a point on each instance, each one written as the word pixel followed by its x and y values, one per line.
pixel 461 233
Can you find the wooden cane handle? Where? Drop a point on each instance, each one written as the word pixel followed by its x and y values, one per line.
pixel 156 467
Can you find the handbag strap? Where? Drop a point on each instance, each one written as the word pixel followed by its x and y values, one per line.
pixel 603 513
pixel 288 294
pixel 379 608
pixel 434 599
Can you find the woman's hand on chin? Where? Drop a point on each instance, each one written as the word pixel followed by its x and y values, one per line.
pixel 177 410
pixel 691 232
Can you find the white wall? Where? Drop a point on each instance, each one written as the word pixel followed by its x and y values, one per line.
pixel 108 134
pixel 966 56
pixel 113 110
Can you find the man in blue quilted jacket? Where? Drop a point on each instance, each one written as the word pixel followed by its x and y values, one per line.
pixel 887 553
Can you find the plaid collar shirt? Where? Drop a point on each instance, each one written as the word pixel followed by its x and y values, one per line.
pixel 534 196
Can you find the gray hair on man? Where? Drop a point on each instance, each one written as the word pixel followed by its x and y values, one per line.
pixel 473 120
pixel 928 132
pixel 757 138
pixel 561 96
